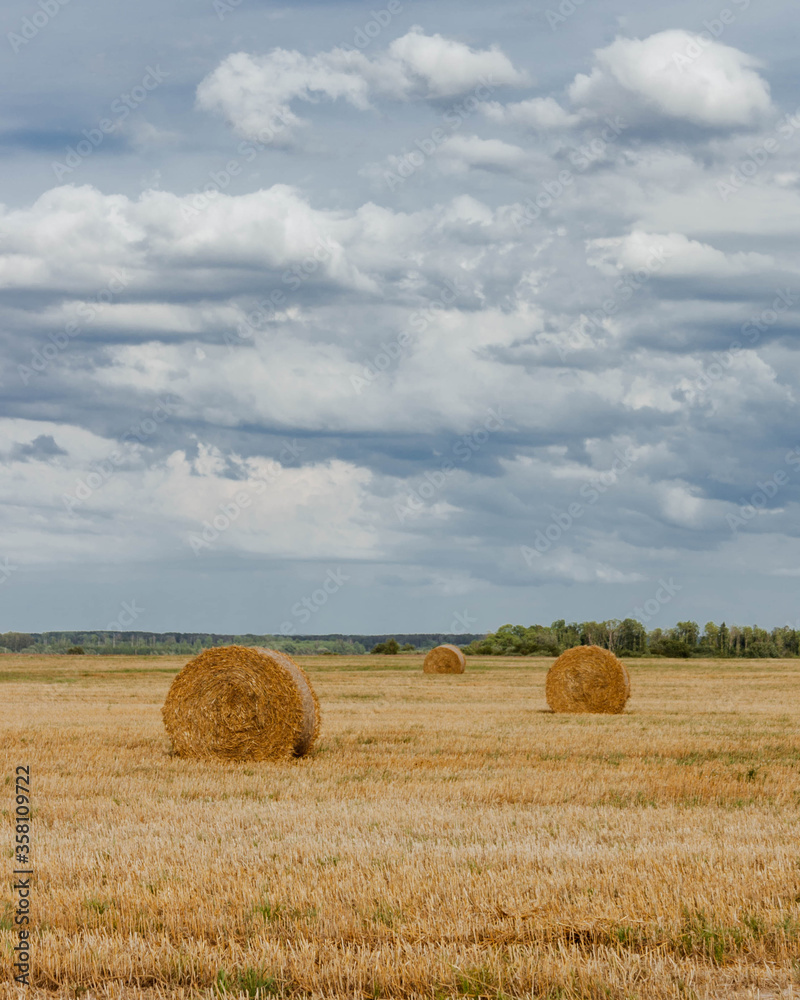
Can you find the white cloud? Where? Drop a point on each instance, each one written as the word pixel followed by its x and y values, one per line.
pixel 672 254
pixel 447 67
pixel 254 93
pixel 470 152
pixel 77 239
pixel 316 510
pixel 292 377
pixel 718 86
pixel 144 135
pixel 510 288
pixel 193 275
pixel 571 567
pixel 680 506
pixel 536 113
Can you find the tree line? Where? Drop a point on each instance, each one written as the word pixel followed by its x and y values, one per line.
pixel 192 643
pixel 628 637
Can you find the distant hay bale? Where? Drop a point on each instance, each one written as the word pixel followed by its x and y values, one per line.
pixel 242 703
pixel 588 679
pixel 445 659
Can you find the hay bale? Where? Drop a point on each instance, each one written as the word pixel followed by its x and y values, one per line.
pixel 587 679
pixel 242 703
pixel 444 659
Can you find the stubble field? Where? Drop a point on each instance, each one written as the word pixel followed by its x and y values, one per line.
pixel 450 837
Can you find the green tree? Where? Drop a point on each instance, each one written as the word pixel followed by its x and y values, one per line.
pixel 390 648
pixel 566 634
pixel 631 637
pixel 669 645
pixel 786 641
pixel 16 641
pixel 710 640
pixel 688 632
pixel 594 634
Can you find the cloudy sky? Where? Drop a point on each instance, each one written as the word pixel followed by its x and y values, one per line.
pixel 416 316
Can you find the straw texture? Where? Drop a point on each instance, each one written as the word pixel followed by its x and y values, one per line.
pixel 588 679
pixel 241 703
pixel 445 659
pixel 627 678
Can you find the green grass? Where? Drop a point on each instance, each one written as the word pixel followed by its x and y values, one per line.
pixel 252 982
pixel 699 936
pixel 269 911
pixel 479 983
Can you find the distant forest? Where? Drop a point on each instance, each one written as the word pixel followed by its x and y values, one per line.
pixel 179 643
pixel 625 638
pixel 630 638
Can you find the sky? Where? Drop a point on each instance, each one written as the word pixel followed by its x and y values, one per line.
pixel 407 317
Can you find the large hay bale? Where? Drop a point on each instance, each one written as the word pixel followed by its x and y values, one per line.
pixel 444 659
pixel 587 679
pixel 242 703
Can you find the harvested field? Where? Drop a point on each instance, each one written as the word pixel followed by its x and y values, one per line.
pixel 442 840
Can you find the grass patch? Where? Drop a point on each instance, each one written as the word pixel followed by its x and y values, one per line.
pixel 253 983
pixel 386 915
pixel 271 912
pixel 480 983
pixel 95 905
pixel 699 936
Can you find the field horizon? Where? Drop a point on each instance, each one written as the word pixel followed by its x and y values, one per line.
pixel 448 837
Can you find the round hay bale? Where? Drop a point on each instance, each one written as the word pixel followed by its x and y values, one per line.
pixel 588 679
pixel 242 703
pixel 444 659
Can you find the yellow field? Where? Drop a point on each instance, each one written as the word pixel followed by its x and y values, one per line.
pixel 450 837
